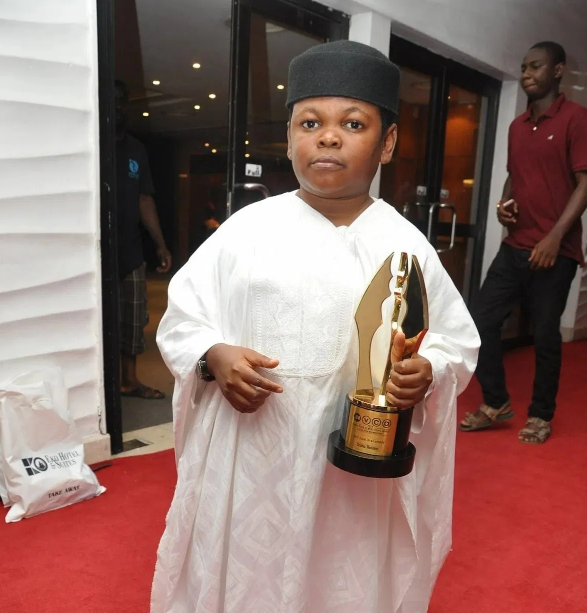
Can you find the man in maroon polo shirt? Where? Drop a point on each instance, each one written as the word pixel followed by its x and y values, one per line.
pixel 543 199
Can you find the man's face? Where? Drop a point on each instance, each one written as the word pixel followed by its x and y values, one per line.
pixel 120 102
pixel 539 73
pixel 336 145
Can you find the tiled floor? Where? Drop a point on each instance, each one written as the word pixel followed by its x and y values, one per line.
pixel 150 366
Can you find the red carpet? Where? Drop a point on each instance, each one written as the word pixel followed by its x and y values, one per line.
pixel 520 522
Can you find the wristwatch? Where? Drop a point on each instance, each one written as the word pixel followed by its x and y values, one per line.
pixel 202 370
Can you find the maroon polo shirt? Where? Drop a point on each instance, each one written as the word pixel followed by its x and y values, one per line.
pixel 542 158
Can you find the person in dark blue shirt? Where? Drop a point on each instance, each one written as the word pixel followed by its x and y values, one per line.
pixel 135 205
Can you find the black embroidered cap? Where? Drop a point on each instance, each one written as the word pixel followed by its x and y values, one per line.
pixel 345 69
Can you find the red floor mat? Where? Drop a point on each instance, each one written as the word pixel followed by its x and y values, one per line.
pixel 519 523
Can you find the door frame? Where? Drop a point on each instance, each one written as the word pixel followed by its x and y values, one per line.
pixel 108 225
pixel 445 72
pixel 306 16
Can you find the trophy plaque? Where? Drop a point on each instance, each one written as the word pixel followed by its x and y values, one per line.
pixel 374 438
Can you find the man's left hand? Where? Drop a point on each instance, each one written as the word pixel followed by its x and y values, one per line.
pixel 544 255
pixel 410 378
pixel 165 259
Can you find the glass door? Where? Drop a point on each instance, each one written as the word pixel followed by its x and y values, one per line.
pixel 267 35
pixel 439 178
pixel 201 90
pixel 458 227
pixel 404 182
pixel 408 181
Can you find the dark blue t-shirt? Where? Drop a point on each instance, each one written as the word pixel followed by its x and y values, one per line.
pixel 133 178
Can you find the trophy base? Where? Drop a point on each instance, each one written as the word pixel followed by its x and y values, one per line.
pixel 364 465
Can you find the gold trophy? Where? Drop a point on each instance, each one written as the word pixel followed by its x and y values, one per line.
pixel 374 438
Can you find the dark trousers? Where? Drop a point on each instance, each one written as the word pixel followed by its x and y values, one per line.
pixel 510 279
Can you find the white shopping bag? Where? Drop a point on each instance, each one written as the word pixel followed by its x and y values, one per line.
pixel 42 454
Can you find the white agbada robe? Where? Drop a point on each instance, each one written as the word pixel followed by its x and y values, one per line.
pixel 260 521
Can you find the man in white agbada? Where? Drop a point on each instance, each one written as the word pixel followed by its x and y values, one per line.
pixel 260 521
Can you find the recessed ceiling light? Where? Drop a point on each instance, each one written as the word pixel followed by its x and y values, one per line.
pixel 196 65
pixel 197 107
pixel 281 87
pixel 214 151
pixel 206 144
pixel 212 96
pixel 145 114
pixel 247 155
pixel 246 142
pixel 156 82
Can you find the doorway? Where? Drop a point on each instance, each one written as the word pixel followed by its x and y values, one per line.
pixel 440 176
pixel 207 89
pixel 267 36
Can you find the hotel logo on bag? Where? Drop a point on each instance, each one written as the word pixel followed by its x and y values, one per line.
pixel 36 466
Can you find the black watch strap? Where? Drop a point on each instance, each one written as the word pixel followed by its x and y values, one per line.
pixel 203 372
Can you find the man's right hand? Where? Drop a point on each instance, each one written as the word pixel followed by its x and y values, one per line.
pixel 507 215
pixel 234 370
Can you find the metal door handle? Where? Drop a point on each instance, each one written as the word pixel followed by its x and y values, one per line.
pixel 255 187
pixel 453 230
pixel 407 205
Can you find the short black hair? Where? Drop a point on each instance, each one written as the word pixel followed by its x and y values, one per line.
pixel 556 52
pixel 388 118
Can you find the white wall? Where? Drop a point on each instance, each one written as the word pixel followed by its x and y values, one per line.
pixel 49 201
pixel 374 30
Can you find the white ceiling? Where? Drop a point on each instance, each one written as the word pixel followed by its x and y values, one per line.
pixel 176 34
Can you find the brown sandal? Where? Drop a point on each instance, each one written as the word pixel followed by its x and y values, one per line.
pixel 535 432
pixel 485 417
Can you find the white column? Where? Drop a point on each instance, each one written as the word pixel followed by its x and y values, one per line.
pixel 573 319
pixel 509 107
pixel 372 29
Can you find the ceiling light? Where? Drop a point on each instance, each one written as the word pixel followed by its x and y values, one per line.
pixel 212 96
pixel 197 107
pixel 156 82
pixel 214 150
pixel 281 87
pixel 247 155
pixel 196 65
pixel 206 144
pixel 246 142
pixel 145 114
